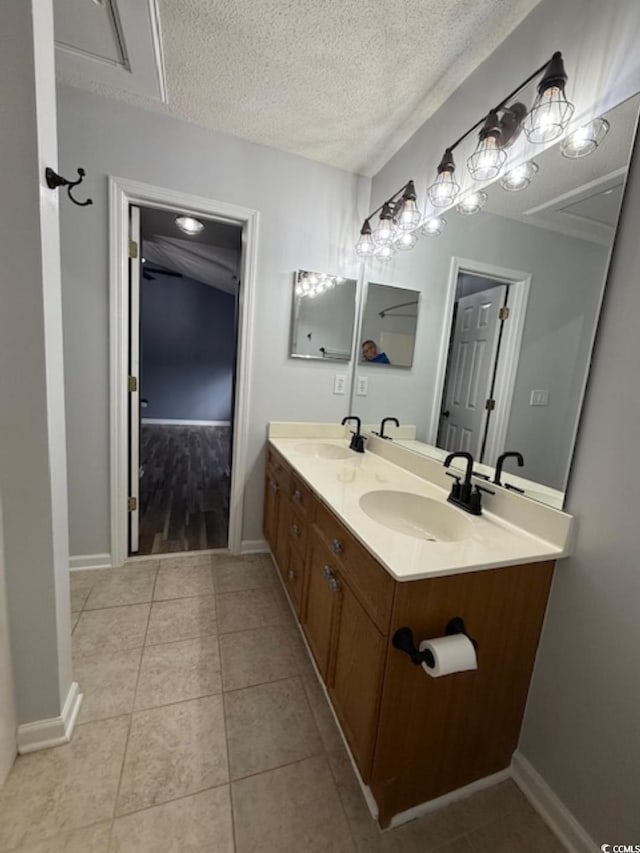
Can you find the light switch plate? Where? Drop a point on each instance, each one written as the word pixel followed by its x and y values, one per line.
pixel 339 383
pixel 539 398
pixel 362 386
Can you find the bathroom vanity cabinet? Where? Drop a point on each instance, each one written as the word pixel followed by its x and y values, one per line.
pixel 413 737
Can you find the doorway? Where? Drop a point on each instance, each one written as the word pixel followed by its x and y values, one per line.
pixel 127 394
pixel 482 347
pixel 182 352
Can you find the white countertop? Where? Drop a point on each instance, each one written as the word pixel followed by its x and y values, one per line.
pixel 341 483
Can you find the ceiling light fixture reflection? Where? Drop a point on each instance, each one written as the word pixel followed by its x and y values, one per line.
pixel 472 203
pixel 434 226
pixel 384 253
pixel 405 240
pixel 189 225
pixel 519 177
pixel 585 140
pixel 313 284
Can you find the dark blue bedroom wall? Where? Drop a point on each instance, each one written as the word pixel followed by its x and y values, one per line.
pixel 187 349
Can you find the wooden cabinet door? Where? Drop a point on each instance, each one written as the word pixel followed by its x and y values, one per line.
pixel 281 550
pixel 294 578
pixel 321 606
pixel 357 679
pixel 270 518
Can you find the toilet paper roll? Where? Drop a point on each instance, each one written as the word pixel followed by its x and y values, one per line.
pixel 454 653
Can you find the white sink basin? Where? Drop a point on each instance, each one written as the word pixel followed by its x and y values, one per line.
pixel 417 516
pixel 323 450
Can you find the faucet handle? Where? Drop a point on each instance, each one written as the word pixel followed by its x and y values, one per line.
pixel 455 487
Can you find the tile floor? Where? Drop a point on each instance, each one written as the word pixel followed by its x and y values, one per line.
pixel 203 728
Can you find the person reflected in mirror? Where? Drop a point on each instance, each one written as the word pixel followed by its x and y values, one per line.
pixel 370 353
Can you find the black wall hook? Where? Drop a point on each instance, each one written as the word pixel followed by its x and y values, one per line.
pixel 54 180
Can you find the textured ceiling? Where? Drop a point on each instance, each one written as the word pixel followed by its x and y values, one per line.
pixel 344 82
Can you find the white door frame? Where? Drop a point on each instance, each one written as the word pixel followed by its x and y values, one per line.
pixel 122 193
pixel 519 287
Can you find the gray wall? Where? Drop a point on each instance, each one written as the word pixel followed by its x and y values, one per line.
pixel 581 725
pixel 309 213
pixel 187 349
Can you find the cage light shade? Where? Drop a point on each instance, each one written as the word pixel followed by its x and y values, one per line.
pixel 365 245
pixel 409 216
pixel 487 160
pixel 405 240
pixel 444 189
pixel 551 111
pixel 472 203
pixel 385 231
pixel 519 177
pixel 385 252
pixel 434 226
pixel 585 139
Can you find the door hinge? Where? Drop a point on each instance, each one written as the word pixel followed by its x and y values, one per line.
pixel 132 384
pixel 133 249
pixel 132 504
pixel 490 405
pixel 503 313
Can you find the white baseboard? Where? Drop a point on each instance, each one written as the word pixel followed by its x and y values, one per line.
pixel 178 422
pixel 254 546
pixel 550 808
pixel 90 561
pixel 52 732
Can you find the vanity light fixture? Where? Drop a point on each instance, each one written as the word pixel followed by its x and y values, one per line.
pixel 585 140
pixel 489 157
pixel 408 216
pixel 472 203
pixel 519 177
pixel 434 226
pixel 551 111
pixel 365 245
pixel 189 225
pixel 443 191
pixel 385 231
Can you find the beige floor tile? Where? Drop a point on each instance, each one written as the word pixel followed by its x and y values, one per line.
pixel 174 672
pixel 124 586
pixel 74 620
pixel 148 563
pixel 54 791
pixel 201 823
pixel 261 655
pixel 86 578
pixel 518 831
pixel 489 804
pixel 182 581
pixel 79 597
pixel 351 795
pixel 290 810
pixel 249 608
pixel 181 619
pixel 173 751
pixel 322 714
pixel 268 726
pixel 111 630
pixel 107 682
pixel 238 573
pixel 185 562
pixel 91 839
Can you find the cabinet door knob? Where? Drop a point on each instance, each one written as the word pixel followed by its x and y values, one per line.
pixel 297 495
pixel 274 487
pixel 326 572
pixel 334 584
pixel 336 546
pixel 295 530
pixel 291 575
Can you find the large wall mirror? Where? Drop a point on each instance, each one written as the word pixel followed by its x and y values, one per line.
pixel 509 303
pixel 322 316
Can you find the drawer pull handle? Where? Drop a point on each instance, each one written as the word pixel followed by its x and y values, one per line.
pixel 295 530
pixel 334 584
pixel 326 572
pixel 336 546
pixel 278 467
pixel 297 495
pixel 274 487
pixel 291 575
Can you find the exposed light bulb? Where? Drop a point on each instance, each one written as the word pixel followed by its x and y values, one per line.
pixel 365 245
pixel 551 111
pixel 488 159
pixel 444 189
pixel 313 279
pixel 472 203
pixel 434 226
pixel 585 139
pixel 409 216
pixel 299 290
pixel 384 253
pixel 519 177
pixel 189 225
pixel 405 240
pixel 385 231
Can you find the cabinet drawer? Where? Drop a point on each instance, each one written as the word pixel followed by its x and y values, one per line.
pixel 302 500
pixel 373 585
pixel 279 469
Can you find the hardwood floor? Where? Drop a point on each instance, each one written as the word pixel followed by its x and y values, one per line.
pixel 184 487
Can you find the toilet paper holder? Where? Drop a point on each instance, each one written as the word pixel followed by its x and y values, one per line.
pixel 403 640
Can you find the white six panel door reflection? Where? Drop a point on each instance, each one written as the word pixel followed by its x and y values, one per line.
pixel 471 370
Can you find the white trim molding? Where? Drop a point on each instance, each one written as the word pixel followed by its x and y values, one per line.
pixel 550 808
pixel 52 732
pixel 90 561
pixel 122 193
pixel 178 422
pixel 254 546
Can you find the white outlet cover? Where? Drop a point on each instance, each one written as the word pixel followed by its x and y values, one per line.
pixel 339 383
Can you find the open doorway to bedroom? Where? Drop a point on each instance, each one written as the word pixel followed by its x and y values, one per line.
pixel 184 303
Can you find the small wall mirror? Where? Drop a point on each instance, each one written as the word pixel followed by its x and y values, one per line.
pixel 323 314
pixel 388 331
